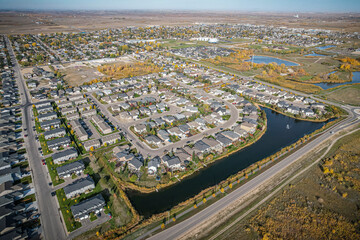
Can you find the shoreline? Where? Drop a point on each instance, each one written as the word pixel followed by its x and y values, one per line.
pixel 299 64
pixel 205 165
pixel 301 119
pixel 145 190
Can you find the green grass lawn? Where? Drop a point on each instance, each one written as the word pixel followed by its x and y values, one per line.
pixel 70 222
pixel 52 171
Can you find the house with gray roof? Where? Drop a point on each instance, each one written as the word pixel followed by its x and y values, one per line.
pixel 95 143
pixel 44 109
pixel 57 132
pixel 46 125
pixel 82 210
pixel 59 142
pixel 163 135
pixel 214 145
pixel 173 163
pixel 47 116
pixel 111 139
pixel 70 169
pixel 153 165
pixel 140 128
pixel 202 147
pixel 231 135
pixel 224 141
pixel 152 139
pixel 78 187
pixel 64 155
pixel 134 165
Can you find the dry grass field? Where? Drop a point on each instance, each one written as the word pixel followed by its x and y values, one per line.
pixel 347 94
pixel 73 21
pixel 323 204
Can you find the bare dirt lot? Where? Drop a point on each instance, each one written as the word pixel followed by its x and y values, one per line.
pixel 72 21
pixel 76 74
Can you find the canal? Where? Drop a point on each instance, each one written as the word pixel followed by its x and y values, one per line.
pixel 276 137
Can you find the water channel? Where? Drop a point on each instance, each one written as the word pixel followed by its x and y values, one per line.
pixel 276 137
pixel 355 79
pixel 267 60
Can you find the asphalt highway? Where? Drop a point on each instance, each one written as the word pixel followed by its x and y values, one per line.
pixel 196 220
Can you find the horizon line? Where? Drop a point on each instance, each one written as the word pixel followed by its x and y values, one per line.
pixel 170 10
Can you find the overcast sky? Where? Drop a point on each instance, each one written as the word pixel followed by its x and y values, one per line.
pixel 232 5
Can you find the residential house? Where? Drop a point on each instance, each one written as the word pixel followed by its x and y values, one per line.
pixel 134 165
pixel 68 170
pixel 58 132
pixel 79 130
pixel 44 109
pixel 82 210
pixel 140 128
pixel 152 139
pixel 59 142
pixel 202 147
pixel 64 155
pixel 111 139
pixel 214 145
pixel 173 163
pixel 163 135
pixel 224 141
pixel 231 135
pixel 46 125
pixel 47 116
pixel 101 124
pixel 153 165
pixel 92 144
pixel 88 113
pixel 72 116
pixel 78 187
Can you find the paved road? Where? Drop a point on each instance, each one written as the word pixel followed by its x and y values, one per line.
pixel 47 48
pixel 49 214
pixel 145 150
pixel 182 228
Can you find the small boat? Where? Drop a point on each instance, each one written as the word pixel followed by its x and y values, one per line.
pixel 287 126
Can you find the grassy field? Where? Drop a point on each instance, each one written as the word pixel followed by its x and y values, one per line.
pixel 323 204
pixel 121 214
pixel 183 44
pixel 348 94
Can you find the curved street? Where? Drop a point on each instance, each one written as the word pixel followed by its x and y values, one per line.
pixel 178 230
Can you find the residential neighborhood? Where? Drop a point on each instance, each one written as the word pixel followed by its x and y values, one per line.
pixel 91 121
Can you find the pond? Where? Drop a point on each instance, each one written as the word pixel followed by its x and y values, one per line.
pixel 325 47
pixel 313 54
pixel 277 136
pixel 267 60
pixel 355 79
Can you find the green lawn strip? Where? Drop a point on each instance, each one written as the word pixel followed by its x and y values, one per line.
pixel 44 145
pixel 93 217
pixel 52 171
pixel 68 217
pixel 23 164
pixel 26 180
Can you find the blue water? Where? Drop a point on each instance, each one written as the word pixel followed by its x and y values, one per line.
pixel 355 79
pixel 267 60
pixel 315 55
pixel 325 47
pixel 276 137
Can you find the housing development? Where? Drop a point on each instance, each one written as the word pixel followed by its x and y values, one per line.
pixel 122 132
